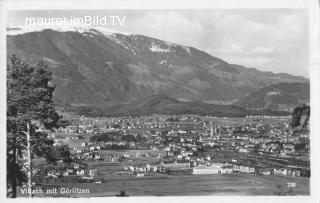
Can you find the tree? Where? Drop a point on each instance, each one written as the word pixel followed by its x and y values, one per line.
pixel 60 152
pixel 297 116
pixel 29 109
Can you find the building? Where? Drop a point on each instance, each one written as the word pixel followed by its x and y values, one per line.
pixel 199 170
pixel 176 165
pixel 245 169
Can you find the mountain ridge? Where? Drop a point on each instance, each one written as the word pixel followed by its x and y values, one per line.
pixel 102 69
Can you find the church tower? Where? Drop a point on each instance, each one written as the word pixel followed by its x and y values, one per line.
pixel 211 131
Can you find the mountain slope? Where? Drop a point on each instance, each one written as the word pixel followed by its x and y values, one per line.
pixel 101 68
pixel 282 96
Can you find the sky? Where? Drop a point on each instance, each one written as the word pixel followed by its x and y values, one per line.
pixel 266 39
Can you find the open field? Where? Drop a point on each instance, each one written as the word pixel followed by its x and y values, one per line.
pixel 226 184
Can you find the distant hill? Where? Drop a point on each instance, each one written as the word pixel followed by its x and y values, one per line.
pixel 162 104
pixel 282 96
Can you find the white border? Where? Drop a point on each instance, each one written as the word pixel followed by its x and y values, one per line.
pixel 152 4
pixel 314 25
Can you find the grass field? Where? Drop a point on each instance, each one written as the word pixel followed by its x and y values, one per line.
pixel 195 185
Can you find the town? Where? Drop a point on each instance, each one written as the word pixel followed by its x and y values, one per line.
pixel 101 149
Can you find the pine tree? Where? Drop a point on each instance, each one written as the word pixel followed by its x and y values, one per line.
pixel 29 107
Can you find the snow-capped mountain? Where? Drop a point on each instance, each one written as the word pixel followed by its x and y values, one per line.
pixel 100 67
pixel 22 29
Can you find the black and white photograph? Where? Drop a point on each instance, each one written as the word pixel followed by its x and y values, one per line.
pixel 157 102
